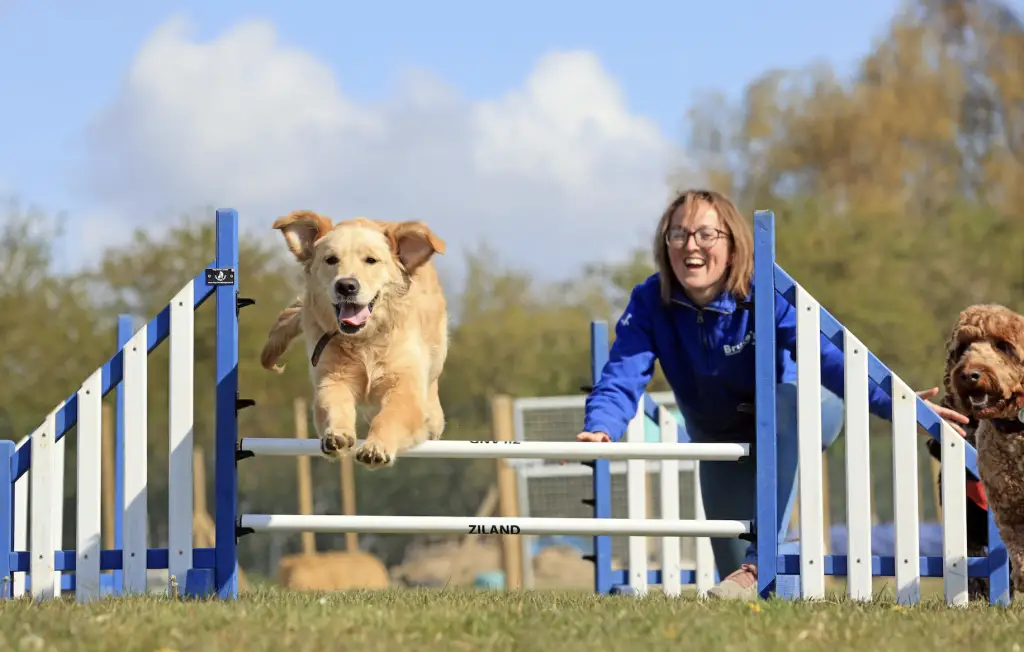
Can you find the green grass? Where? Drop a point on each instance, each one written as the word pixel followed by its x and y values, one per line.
pixel 401 619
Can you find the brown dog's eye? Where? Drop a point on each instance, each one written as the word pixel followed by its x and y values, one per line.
pixel 1005 347
pixel 371 260
pixel 331 260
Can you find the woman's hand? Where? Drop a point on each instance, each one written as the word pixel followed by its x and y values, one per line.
pixel 952 416
pixel 593 436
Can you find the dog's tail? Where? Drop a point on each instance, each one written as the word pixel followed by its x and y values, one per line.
pixel 287 327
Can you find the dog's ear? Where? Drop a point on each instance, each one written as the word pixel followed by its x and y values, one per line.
pixel 301 230
pixel 414 243
pixel 951 399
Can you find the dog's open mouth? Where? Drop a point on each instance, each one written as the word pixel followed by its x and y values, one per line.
pixel 352 317
pixel 979 400
pixel 986 405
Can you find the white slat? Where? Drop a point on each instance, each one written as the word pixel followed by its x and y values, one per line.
pixel 808 353
pixel 21 491
pixel 41 563
pixel 135 458
pixel 89 496
pixel 636 506
pixel 182 357
pixel 57 495
pixel 954 518
pixel 705 555
pixel 904 472
pixel 858 470
pixel 671 566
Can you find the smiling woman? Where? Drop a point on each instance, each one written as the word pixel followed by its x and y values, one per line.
pixel 695 316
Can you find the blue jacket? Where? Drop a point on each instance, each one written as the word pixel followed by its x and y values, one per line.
pixel 707 356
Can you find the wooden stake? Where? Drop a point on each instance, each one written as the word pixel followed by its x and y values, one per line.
pixel 305 476
pixel 348 499
pixel 198 481
pixel 512 553
pixel 108 475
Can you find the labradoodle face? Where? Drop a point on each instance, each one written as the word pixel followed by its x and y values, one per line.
pixel 985 362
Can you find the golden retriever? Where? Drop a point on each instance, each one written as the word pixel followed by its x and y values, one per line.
pixel 376 325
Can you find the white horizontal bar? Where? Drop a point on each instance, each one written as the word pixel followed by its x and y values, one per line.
pixel 574 401
pixel 468 525
pixel 542 450
pixel 577 470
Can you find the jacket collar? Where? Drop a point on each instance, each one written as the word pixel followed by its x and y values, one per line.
pixel 724 303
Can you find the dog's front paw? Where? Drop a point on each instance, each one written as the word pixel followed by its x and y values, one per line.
pixel 334 444
pixel 375 454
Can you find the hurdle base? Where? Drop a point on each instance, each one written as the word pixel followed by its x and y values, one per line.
pixel 199 583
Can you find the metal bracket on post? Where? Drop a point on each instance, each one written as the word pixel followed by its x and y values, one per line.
pixel 242 403
pixel 242 302
pixel 241 531
pixel 241 454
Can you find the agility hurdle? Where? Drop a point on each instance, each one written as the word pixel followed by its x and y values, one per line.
pixel 197 571
pixel 214 570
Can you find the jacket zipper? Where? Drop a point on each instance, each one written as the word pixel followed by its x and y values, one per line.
pixel 703 334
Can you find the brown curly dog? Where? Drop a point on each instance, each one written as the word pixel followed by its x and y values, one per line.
pixel 984 380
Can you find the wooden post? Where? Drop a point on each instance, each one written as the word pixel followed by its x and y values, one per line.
pixel 936 467
pixel 508 503
pixel 348 499
pixel 109 471
pixel 826 505
pixel 305 476
pixel 198 481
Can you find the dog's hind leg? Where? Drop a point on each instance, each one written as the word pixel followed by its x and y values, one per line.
pixel 434 413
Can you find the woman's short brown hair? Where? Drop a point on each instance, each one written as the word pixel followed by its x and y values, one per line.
pixel 741 239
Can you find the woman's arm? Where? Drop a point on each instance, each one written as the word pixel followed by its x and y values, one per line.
pixel 613 401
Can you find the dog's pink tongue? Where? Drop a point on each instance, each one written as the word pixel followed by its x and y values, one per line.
pixel 354 315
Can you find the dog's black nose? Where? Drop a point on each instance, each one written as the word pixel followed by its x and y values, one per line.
pixel 971 376
pixel 347 287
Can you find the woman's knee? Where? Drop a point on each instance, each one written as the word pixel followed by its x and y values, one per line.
pixel 786 411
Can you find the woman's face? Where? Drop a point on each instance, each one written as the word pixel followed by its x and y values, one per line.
pixel 698 250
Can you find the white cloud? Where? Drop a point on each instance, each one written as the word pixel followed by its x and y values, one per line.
pixel 558 167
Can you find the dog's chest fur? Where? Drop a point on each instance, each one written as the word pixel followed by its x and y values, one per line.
pixel 1001 467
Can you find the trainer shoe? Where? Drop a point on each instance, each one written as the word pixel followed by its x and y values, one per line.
pixel 740 585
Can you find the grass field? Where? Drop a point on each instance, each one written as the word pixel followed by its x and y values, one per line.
pixel 403 619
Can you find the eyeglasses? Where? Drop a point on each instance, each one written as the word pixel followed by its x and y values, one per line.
pixel 705 237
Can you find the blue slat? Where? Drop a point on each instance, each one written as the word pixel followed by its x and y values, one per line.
pixel 156 558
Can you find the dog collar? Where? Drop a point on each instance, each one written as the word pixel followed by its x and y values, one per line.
pixel 1010 426
pixel 318 350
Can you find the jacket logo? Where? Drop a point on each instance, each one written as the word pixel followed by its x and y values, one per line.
pixel 625 319
pixel 733 349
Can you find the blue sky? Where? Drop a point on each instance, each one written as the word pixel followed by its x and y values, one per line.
pixel 71 107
